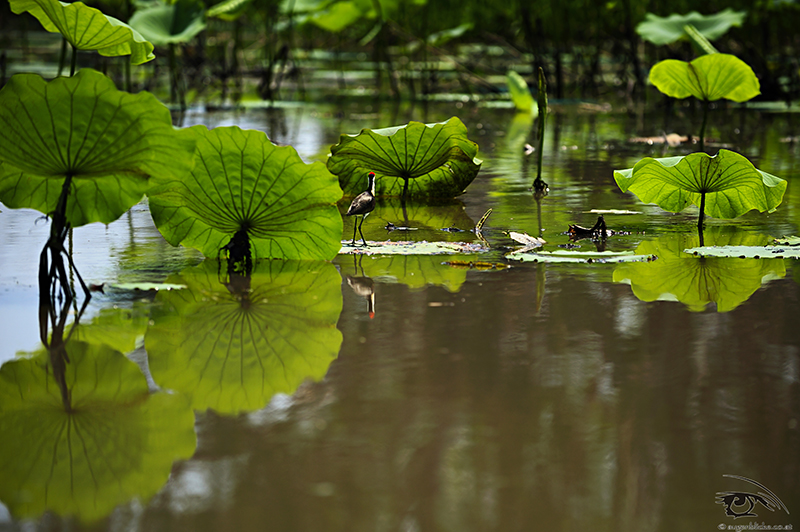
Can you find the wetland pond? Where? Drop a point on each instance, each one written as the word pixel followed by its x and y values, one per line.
pixel 419 392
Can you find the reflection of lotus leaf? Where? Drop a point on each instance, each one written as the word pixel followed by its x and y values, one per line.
pixel 431 160
pixel 117 443
pixel 697 281
pixel 118 328
pixel 414 271
pixel 426 220
pixel 232 348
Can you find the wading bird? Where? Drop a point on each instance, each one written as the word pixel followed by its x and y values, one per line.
pixel 363 205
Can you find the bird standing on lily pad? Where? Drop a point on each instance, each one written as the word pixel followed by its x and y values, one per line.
pixel 363 204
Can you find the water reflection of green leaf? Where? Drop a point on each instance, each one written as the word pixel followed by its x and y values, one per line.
pixel 117 443
pixel 118 328
pixel 698 281
pixel 232 347
pixel 414 271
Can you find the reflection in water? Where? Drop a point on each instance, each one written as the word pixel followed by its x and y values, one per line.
pixel 230 346
pixel 415 271
pixel 362 285
pixel 698 281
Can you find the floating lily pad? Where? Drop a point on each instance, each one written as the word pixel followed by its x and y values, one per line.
pixel 747 252
pixel 146 287
pixel 415 160
pixel 696 281
pixel 231 347
pixel 118 442
pixel 243 182
pixel 411 248
pixel 788 241
pixel 87 28
pixel 579 257
pixel 611 211
pixel 108 141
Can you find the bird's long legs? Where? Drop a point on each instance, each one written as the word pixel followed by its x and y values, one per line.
pixel 357 227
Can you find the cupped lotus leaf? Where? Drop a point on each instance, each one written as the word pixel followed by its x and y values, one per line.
pixel 110 142
pixel 666 30
pixel 709 77
pixel 423 160
pixel 231 347
pixel 731 184
pixel 241 181
pixel 117 442
pixel 87 28
pixel 228 9
pixel 164 24
pixel 696 281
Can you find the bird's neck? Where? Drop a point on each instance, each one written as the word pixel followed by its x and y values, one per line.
pixel 371 186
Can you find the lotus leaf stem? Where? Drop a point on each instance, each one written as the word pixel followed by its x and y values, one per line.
pixel 74 62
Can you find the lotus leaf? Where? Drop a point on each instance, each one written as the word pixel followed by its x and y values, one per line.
pixel 108 142
pixel 118 442
pixel 118 328
pixel 709 77
pixel 87 28
pixel 232 347
pixel 423 160
pixel 412 248
pixel 695 281
pixel 241 181
pixel 579 257
pixel 666 30
pixel 228 9
pixel 730 184
pixel 165 24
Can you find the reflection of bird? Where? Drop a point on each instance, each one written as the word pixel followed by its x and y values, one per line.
pixel 364 287
pixel 363 204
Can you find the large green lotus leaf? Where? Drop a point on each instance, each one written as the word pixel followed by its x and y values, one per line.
pixel 709 77
pixel 110 142
pixel 731 183
pixel 432 160
pixel 232 347
pixel 117 443
pixel 698 281
pixel 170 23
pixel 414 271
pixel 666 30
pixel 118 328
pixel 241 181
pixel 87 28
pixel 228 9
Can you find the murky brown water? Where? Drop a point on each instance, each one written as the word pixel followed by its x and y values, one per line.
pixel 542 396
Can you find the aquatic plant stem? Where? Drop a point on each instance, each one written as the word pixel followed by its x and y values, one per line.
pixel 62 58
pixel 703 127
pixel 74 62
pixel 702 212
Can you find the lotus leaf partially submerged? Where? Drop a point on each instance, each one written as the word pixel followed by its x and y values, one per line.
pixel 723 186
pixel 82 136
pixel 249 196
pixel 87 28
pixel 414 160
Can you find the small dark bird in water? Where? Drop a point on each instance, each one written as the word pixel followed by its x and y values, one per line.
pixel 363 204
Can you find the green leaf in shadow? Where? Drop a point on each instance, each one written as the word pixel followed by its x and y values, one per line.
pixel 117 443
pixel 228 9
pixel 520 93
pixel 110 142
pixel 87 28
pixel 730 182
pixel 241 181
pixel 698 281
pixel 709 77
pixel 232 347
pixel 666 30
pixel 422 160
pixel 170 23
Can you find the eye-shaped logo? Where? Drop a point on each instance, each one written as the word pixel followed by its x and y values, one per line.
pixel 741 503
